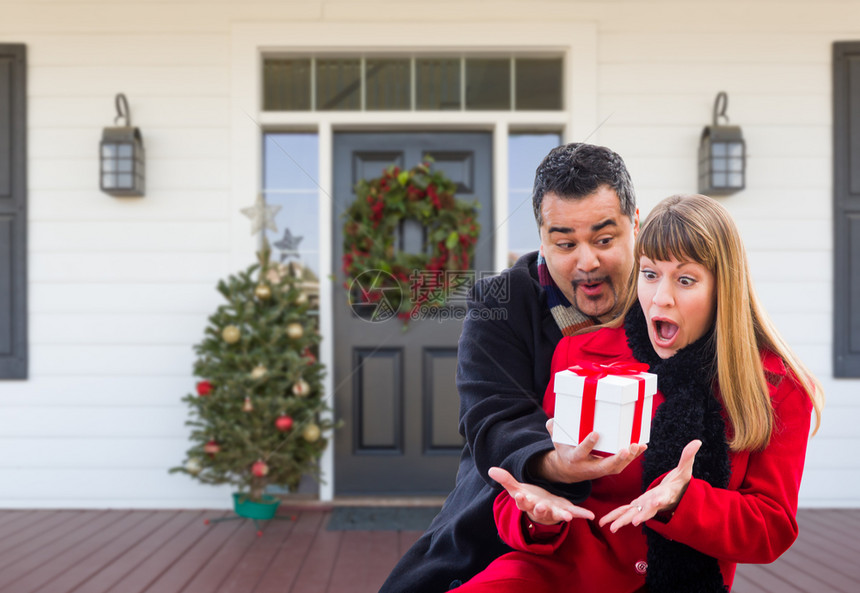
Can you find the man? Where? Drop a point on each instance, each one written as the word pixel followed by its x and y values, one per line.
pixel 586 213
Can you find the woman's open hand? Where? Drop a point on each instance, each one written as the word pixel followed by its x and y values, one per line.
pixel 541 506
pixel 662 498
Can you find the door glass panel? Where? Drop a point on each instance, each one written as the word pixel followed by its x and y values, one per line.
pixel 287 85
pixel 437 83
pixel 388 84
pixel 338 84
pixel 539 84
pixel 488 84
pixel 525 152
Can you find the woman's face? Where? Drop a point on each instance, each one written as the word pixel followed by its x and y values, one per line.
pixel 679 301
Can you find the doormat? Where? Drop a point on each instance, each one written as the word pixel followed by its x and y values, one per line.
pixel 381 518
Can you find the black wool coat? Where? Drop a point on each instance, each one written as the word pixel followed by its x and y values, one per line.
pixel 503 365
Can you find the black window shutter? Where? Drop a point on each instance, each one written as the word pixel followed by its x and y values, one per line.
pixel 846 208
pixel 13 212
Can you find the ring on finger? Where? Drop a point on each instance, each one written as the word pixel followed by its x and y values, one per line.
pixel 639 507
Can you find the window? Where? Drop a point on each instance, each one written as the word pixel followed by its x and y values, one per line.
pixel 398 83
pixel 290 164
pixel 525 152
pixel 338 85
pixel 387 84
pixel 437 84
pixel 488 84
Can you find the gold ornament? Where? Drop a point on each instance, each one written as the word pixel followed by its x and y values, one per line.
pixel 231 334
pixel 247 406
pixel 311 433
pixel 193 466
pixel 259 372
pixel 301 299
pixel 301 388
pixel 295 331
pixel 263 291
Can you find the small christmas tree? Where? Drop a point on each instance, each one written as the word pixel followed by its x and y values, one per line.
pixel 256 416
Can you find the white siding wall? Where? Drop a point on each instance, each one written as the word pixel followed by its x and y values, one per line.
pixel 120 289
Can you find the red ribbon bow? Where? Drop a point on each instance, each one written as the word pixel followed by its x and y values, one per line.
pixel 594 372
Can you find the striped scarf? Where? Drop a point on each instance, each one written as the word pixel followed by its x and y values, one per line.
pixel 569 319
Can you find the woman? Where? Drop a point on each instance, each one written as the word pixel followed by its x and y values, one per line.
pixel 718 482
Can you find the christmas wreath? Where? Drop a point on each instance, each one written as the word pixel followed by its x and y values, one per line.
pixel 376 219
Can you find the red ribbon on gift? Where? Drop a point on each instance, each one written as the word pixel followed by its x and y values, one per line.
pixel 594 372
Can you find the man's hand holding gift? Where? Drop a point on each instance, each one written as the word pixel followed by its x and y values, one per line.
pixel 577 463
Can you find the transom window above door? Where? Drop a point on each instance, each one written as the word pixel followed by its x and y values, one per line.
pixel 417 83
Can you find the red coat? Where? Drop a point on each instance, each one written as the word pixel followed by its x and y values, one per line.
pixel 752 521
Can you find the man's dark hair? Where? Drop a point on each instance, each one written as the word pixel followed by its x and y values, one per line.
pixel 574 171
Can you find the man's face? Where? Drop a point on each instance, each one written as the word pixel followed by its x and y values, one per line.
pixel 588 247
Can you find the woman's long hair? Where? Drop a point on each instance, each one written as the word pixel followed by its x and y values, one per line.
pixel 698 228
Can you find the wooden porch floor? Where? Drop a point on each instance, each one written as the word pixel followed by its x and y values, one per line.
pixel 173 551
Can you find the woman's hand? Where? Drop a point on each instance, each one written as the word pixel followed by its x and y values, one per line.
pixel 662 498
pixel 540 506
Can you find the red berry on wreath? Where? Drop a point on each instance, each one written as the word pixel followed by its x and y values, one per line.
pixel 284 423
pixel 204 388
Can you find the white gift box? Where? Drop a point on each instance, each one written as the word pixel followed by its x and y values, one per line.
pixel 615 403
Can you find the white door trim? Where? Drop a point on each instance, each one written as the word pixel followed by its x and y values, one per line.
pixel 250 42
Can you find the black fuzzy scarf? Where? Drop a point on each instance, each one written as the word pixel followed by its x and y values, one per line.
pixel 690 411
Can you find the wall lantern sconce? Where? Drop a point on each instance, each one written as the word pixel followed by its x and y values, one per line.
pixel 121 155
pixel 722 154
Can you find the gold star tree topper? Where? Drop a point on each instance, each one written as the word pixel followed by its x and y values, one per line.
pixel 261 215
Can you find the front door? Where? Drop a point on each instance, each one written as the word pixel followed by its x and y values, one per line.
pixel 395 391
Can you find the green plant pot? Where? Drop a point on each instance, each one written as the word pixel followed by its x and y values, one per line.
pixel 250 509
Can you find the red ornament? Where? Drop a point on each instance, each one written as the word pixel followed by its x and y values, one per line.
pixel 204 388
pixel 259 468
pixel 211 448
pixel 284 423
pixel 309 356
